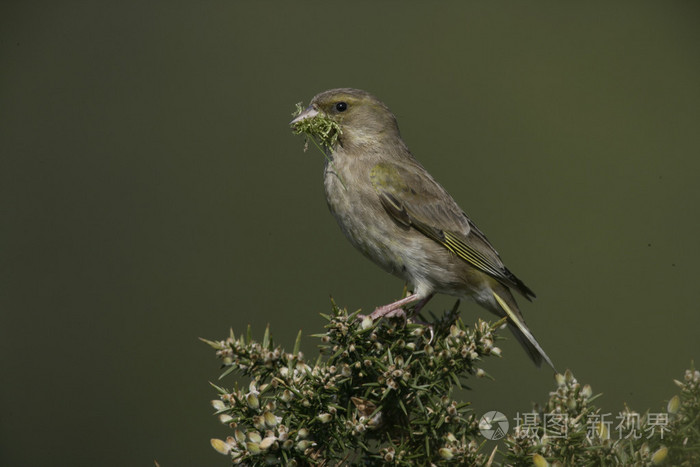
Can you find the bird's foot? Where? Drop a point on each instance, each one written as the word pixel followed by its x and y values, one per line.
pixel 392 313
pixel 393 309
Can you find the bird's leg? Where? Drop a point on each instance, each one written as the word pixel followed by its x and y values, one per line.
pixel 419 306
pixel 393 309
pixel 416 310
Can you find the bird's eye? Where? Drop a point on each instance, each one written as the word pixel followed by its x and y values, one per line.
pixel 341 106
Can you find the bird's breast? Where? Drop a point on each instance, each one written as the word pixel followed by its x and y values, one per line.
pixel 355 205
pixel 397 249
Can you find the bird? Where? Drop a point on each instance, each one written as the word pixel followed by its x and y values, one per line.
pixel 394 212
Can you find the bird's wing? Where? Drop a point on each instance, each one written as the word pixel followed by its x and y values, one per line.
pixel 414 199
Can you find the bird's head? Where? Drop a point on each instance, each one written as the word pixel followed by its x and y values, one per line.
pixel 362 118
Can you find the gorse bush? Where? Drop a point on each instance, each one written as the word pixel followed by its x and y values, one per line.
pixel 381 393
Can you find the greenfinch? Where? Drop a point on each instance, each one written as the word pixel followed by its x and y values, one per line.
pixel 393 211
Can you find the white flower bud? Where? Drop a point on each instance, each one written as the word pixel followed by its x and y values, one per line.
pixel 674 404
pixel 446 453
pixel 539 461
pixel 659 456
pixel 253 401
pixel 254 436
pixel 225 418
pixel 218 405
pixel 267 442
pixel 220 446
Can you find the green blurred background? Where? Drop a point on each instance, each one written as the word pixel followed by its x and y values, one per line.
pixel 151 192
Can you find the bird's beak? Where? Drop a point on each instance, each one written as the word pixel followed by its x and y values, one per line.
pixel 309 112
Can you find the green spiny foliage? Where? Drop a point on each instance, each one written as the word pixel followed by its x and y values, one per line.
pixel 380 393
pixel 592 438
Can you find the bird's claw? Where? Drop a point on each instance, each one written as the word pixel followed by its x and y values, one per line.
pixel 415 320
pixel 387 311
pixel 397 313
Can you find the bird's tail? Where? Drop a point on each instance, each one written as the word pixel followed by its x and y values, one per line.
pixel 521 331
